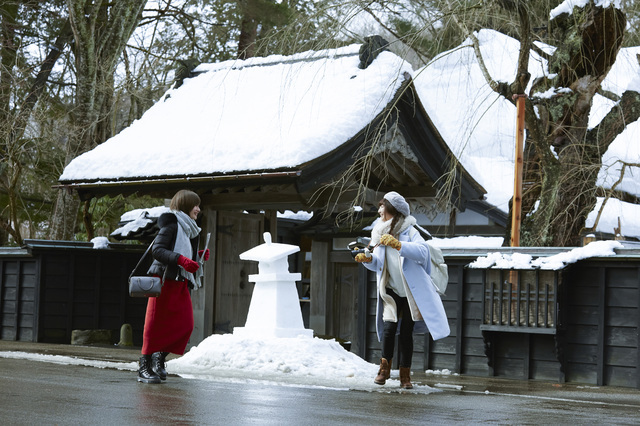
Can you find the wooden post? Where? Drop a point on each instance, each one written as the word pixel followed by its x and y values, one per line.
pixel 203 300
pixel 320 292
pixel 516 209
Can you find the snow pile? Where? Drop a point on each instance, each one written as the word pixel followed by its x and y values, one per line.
pixel 100 243
pixel 300 361
pixel 297 356
pixel 555 262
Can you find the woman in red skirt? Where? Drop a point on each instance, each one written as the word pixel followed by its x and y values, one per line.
pixel 169 320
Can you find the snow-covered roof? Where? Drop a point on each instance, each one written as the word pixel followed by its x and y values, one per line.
pixel 273 113
pixel 139 223
pixel 480 126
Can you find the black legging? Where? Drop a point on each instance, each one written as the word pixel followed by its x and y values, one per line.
pixel 405 340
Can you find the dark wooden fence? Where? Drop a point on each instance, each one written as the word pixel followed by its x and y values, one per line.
pixel 50 288
pixel 19 296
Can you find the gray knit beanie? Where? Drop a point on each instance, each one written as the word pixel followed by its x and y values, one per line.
pixel 398 202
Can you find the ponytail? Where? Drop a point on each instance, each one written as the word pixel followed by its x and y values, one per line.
pixel 393 212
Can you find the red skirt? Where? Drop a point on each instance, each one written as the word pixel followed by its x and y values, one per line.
pixel 169 320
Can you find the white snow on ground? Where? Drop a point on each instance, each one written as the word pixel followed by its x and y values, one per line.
pixel 69 360
pixel 303 361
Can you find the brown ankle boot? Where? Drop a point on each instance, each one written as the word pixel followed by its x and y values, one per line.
pixel 405 378
pixel 384 372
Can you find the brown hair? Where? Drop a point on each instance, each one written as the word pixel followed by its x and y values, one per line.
pixel 388 207
pixel 185 201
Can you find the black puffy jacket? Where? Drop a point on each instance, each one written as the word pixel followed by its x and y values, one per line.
pixel 163 255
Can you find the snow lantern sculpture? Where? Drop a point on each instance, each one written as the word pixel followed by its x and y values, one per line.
pixel 275 306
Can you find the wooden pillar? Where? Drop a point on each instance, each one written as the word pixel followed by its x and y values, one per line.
pixel 460 321
pixel 638 334
pixel 361 313
pixel 602 326
pixel 271 223
pixel 516 208
pixel 320 299
pixel 203 298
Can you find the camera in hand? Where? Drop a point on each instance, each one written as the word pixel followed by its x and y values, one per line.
pixel 359 246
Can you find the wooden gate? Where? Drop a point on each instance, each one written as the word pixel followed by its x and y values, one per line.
pixel 236 233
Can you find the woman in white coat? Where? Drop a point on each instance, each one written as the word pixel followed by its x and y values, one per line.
pixel 400 258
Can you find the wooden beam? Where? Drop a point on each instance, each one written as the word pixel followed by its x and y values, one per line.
pixel 387 166
pixel 257 200
pixel 408 170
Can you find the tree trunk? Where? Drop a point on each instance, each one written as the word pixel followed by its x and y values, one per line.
pixel 14 121
pixel 565 184
pixel 248 30
pixel 263 14
pixel 63 224
pixel 8 169
pixel 101 30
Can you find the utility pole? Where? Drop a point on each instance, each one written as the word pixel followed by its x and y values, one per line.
pixel 516 208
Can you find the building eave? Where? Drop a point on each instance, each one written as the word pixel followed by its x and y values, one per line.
pixel 169 185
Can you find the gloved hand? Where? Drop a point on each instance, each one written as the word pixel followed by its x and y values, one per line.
pixel 188 264
pixel 363 258
pixel 206 254
pixel 390 241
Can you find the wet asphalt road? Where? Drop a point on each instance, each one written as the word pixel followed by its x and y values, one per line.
pixel 34 392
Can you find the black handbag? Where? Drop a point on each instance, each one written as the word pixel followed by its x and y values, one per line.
pixel 144 285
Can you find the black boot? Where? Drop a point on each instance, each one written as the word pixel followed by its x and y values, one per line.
pixel 145 372
pixel 157 364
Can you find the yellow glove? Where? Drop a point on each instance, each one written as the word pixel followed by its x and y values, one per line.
pixel 390 241
pixel 363 258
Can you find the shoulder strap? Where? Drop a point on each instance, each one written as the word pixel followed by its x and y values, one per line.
pixel 142 258
pixel 425 234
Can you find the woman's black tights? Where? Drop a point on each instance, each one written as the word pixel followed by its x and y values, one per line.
pixel 405 340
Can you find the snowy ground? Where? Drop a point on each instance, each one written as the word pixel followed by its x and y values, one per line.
pixel 303 361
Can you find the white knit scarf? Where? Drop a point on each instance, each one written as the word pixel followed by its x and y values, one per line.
pixel 384 227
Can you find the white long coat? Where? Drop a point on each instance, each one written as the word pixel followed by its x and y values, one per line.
pixel 416 266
